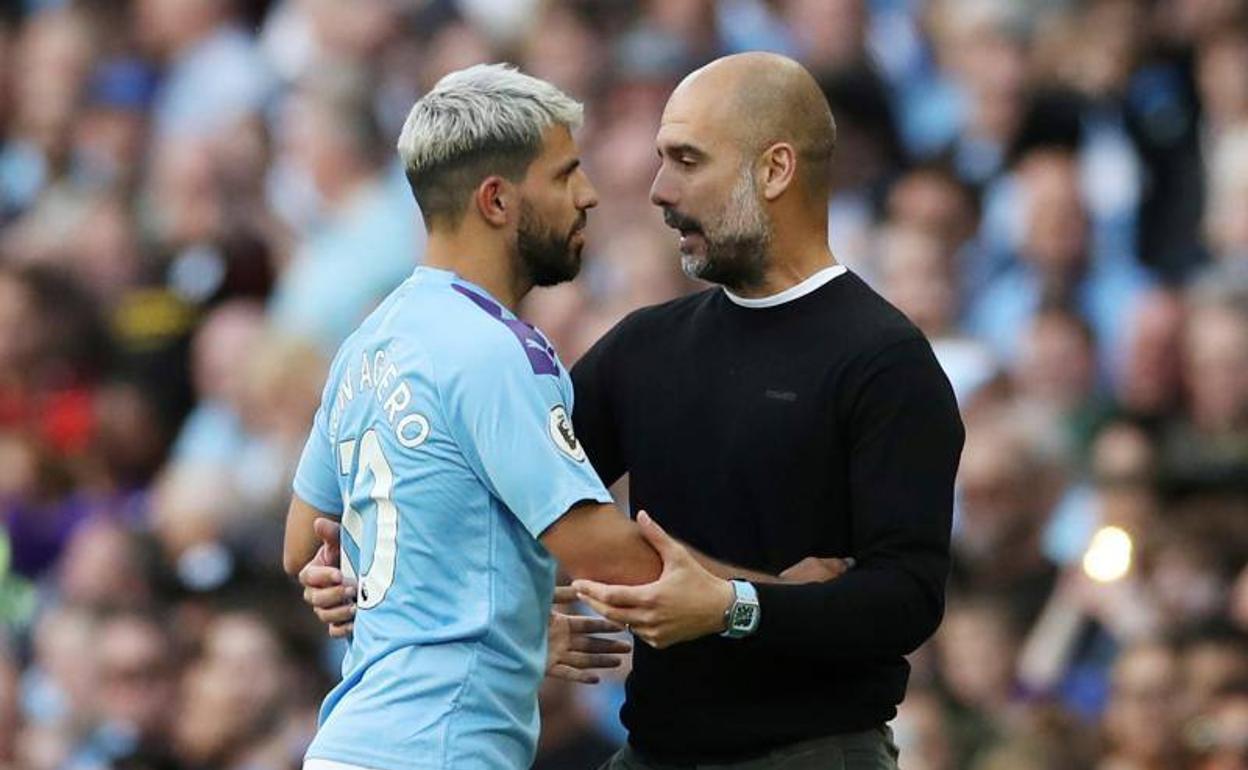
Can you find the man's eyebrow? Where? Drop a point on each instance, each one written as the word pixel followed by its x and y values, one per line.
pixel 681 150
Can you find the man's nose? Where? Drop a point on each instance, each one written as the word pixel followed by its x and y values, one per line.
pixel 587 197
pixel 662 191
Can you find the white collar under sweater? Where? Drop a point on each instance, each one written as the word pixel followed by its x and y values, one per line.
pixel 793 292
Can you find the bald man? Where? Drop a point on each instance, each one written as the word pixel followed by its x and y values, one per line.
pixel 788 411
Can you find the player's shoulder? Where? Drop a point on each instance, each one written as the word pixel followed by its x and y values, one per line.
pixel 478 335
pixel 643 323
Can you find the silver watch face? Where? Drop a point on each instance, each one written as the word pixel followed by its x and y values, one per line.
pixel 743 616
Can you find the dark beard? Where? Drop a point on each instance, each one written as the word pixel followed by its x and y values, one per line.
pixel 546 256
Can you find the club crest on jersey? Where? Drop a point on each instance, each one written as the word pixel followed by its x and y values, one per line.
pixel 561 433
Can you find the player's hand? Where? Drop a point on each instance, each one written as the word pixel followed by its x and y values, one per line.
pixel 814 569
pixel 330 596
pixel 572 652
pixel 686 602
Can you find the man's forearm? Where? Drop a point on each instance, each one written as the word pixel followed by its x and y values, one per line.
pixel 870 611
pixel 729 572
pixel 596 541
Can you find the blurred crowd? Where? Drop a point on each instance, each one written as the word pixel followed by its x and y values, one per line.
pixel 199 199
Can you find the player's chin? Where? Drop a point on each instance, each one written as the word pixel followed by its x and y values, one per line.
pixel 553 276
pixel 572 266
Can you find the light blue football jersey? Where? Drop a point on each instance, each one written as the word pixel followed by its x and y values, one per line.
pixel 444 439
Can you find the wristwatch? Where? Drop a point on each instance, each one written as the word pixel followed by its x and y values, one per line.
pixel 742 616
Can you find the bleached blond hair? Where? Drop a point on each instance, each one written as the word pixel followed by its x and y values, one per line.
pixel 484 120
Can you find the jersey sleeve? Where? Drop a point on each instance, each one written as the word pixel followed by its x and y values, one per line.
pixel 512 420
pixel 316 479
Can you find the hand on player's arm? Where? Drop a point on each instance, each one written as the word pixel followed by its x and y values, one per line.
pixel 692 594
pixel 573 652
pixel 598 541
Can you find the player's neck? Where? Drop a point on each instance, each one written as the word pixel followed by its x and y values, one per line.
pixel 484 263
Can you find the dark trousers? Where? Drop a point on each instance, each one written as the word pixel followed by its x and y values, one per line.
pixel 867 750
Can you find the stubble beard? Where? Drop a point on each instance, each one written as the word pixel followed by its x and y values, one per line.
pixel 736 248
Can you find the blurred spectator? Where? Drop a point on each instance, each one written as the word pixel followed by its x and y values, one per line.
pixel 978 648
pixel 1207 446
pixel 1142 721
pixel 103 568
pixel 225 341
pixel 922 732
pixel 1219 739
pixel 1008 482
pixel 136 695
pixel 1225 223
pixel 1056 373
pixel 918 275
pixel 213 73
pixel 1215 661
pixel 932 199
pixel 236 695
pixel 9 708
pixel 367 242
pixel 58 688
pixel 1149 384
pixel 53 52
pixel 981 47
pixel 1055 266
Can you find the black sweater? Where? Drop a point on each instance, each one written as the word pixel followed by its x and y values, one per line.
pixel 822 426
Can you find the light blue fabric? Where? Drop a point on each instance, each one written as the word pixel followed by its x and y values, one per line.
pixel 1071 525
pixel 213 84
pixel 212 433
pixel 1106 298
pixel 445 405
pixel 348 264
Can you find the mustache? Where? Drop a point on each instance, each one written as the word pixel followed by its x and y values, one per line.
pixel 581 222
pixel 678 221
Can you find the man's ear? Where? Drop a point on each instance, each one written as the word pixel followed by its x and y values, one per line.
pixel 779 168
pixel 495 198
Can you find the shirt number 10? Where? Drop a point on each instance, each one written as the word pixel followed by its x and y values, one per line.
pixel 374 583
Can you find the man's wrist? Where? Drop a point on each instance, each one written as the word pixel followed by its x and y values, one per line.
pixel 727 598
pixel 741 618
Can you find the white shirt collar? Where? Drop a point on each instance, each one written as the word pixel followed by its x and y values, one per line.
pixel 793 292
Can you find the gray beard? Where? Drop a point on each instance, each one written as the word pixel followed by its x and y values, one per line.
pixel 737 253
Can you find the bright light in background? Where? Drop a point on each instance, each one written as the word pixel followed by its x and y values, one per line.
pixel 1108 556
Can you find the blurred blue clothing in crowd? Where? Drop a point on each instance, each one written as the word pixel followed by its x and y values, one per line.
pixel 214 83
pixel 348 263
pixel 1105 297
pixel 212 433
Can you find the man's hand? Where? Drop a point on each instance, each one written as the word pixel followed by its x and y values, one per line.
pixel 814 569
pixel 331 597
pixel 572 653
pixel 686 602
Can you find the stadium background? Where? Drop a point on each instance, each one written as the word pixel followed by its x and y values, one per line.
pixel 199 198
